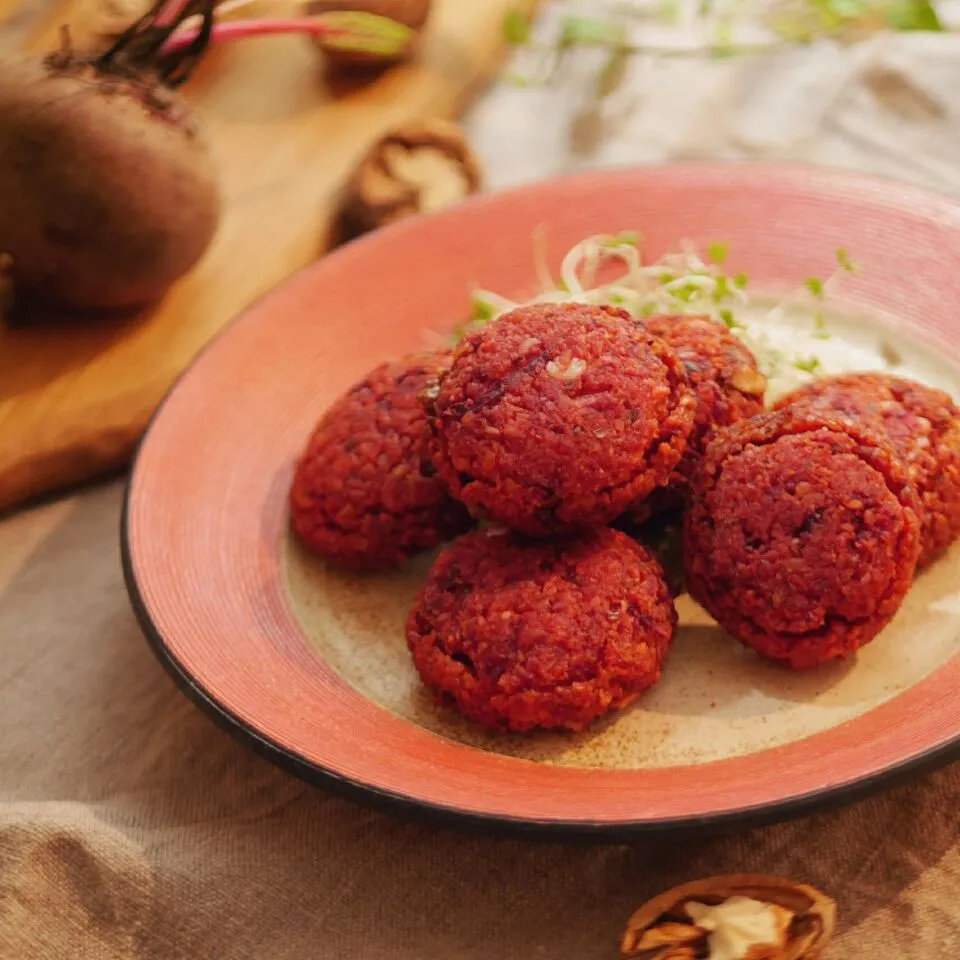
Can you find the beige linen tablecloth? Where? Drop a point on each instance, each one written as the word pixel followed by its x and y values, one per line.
pixel 131 827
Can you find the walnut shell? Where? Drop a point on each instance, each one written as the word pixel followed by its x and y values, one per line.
pixel 410 13
pixel 416 168
pixel 798 921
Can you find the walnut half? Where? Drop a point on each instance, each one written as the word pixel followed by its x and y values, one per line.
pixel 738 917
pixel 416 168
pixel 749 381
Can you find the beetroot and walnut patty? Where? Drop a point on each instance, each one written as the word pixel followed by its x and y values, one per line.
pixel 922 425
pixel 556 417
pixel 726 382
pixel 524 634
pixel 365 493
pixel 802 536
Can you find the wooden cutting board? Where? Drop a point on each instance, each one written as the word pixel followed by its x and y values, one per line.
pixel 75 397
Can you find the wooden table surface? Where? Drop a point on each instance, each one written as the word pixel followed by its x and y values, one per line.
pixel 76 396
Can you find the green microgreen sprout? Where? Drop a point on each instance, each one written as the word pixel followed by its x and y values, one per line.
pixel 677 283
pixel 591 32
pixel 808 364
pixel 628 238
pixel 786 23
pixel 517 79
pixel 516 27
pixel 482 311
pixel 820 327
pixel 723 45
pixel 717 252
pixel 844 261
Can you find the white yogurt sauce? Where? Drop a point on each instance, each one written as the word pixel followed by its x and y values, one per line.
pixel 843 343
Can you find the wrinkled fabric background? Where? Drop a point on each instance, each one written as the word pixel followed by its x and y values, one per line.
pixel 132 828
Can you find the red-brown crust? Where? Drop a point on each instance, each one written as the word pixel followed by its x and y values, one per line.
pixel 546 453
pixel 921 423
pixel 727 384
pixel 802 535
pixel 519 635
pixel 365 493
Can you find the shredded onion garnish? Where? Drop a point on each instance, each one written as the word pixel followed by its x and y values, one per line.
pixel 683 282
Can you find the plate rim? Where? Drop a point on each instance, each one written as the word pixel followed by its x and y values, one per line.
pixel 416 808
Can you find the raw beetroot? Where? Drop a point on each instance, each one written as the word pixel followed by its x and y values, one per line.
pixel 108 190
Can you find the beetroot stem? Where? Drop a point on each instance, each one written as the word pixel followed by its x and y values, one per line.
pixel 141 47
pixel 239 29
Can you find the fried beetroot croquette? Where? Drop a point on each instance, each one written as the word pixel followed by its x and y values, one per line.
pixel 802 535
pixel 525 634
pixel 728 387
pixel 923 426
pixel 556 417
pixel 365 494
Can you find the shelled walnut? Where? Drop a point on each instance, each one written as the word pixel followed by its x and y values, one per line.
pixel 737 917
pixel 416 168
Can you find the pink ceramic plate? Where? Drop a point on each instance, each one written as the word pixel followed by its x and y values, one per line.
pixel 309 666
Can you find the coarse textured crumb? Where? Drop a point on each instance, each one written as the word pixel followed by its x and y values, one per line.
pixel 923 426
pixel 728 386
pixel 365 493
pixel 802 535
pixel 523 634
pixel 557 416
